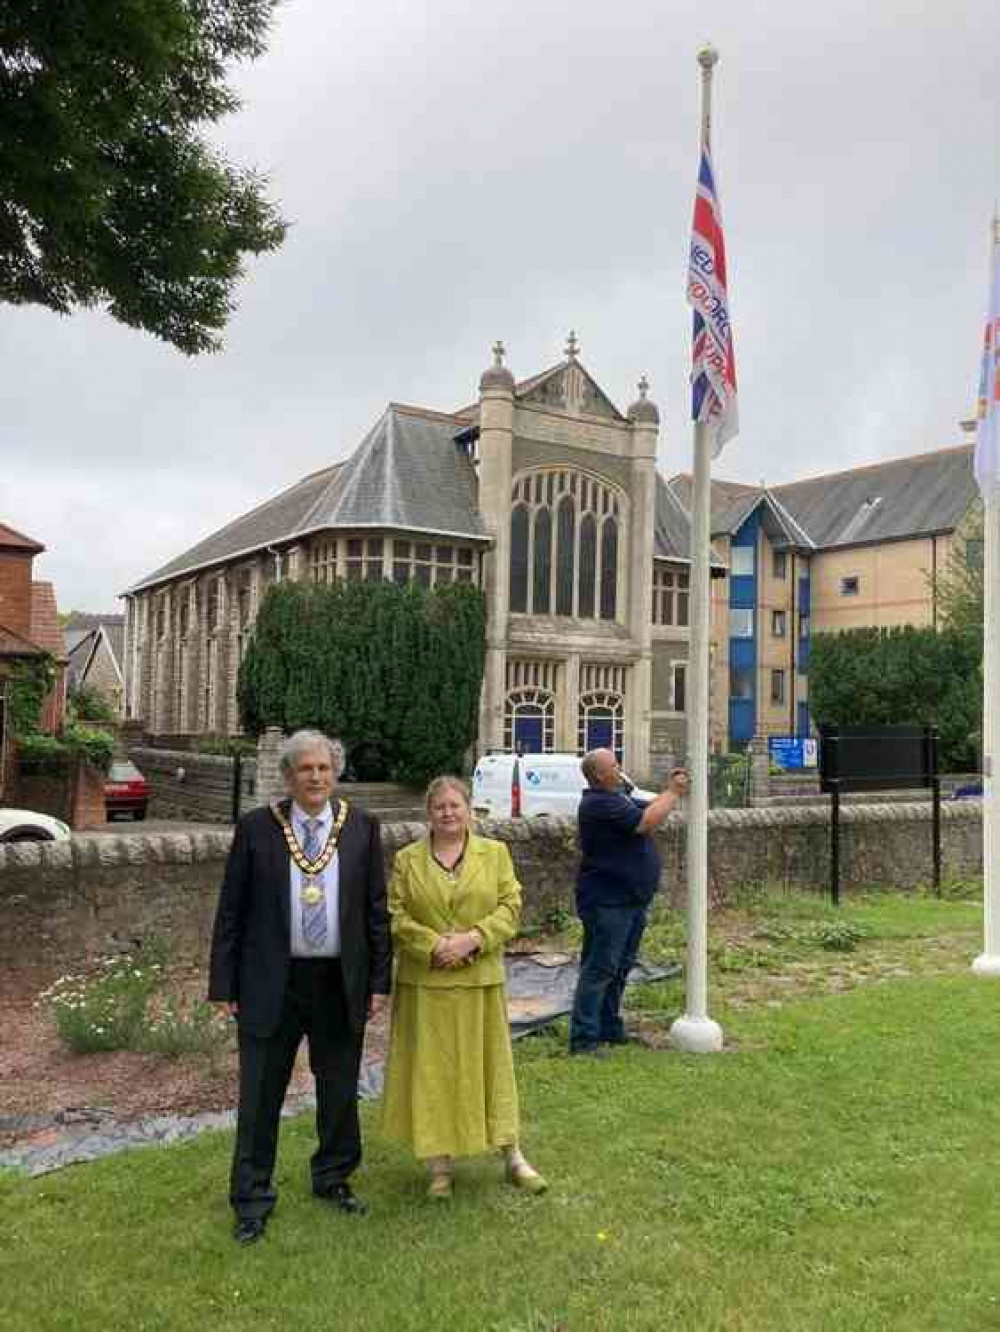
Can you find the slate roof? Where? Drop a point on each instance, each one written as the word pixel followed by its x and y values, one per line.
pixel 672 535
pixel 408 473
pixel 81 625
pixel 916 496
pixel 904 497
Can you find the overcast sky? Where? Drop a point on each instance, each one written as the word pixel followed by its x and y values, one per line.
pixel 458 171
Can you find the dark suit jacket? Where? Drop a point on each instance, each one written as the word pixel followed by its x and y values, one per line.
pixel 251 945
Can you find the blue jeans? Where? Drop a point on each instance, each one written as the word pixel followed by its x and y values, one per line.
pixel 611 939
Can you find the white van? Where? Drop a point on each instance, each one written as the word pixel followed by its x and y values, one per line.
pixel 531 786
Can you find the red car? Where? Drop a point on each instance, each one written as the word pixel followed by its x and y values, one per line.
pixel 126 791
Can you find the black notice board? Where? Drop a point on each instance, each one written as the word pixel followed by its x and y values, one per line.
pixel 877 758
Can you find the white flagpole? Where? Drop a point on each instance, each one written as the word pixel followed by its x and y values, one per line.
pixel 695 1031
pixel 988 962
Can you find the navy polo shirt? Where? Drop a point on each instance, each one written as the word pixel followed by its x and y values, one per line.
pixel 618 866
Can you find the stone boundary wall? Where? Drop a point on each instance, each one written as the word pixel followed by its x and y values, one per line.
pixel 61 902
pixel 205 794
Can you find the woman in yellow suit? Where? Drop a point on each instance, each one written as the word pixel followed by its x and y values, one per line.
pixel 450 1087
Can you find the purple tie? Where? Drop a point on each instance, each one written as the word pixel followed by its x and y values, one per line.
pixel 313 913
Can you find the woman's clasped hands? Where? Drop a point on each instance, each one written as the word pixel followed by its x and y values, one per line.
pixel 456 950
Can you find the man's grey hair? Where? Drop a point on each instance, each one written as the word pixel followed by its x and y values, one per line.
pixel 301 742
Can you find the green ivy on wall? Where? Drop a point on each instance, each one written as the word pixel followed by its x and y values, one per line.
pixel 28 684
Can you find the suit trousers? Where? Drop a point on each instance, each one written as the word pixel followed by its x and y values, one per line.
pixel 314 1007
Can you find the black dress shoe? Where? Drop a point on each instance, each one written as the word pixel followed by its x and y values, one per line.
pixel 343 1197
pixel 249 1230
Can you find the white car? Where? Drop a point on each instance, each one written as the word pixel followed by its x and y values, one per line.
pixel 532 786
pixel 24 825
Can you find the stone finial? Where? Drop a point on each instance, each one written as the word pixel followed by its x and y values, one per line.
pixel 572 346
pixel 644 410
pixel 497 376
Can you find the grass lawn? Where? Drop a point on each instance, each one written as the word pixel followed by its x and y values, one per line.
pixel 836 1168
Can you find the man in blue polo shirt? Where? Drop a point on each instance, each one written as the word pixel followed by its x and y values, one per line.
pixel 618 875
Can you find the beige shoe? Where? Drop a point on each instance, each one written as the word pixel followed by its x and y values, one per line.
pixel 524 1176
pixel 441 1187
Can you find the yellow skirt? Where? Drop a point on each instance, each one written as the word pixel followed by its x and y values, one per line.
pixel 449 1081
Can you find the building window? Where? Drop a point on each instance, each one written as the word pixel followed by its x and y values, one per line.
pixel 671 596
pixel 566 548
pixel 601 722
pixel 556 566
pixel 323 561
pixel 741 563
pixel 803 626
pixel 355 559
pixel 678 686
pixel 374 552
pixel 519 559
pixel 423 563
pixel 464 567
pixel 779 563
pixel 974 553
pixel 541 602
pixel 740 622
pixel 777 686
pixel 588 566
pixel 850 587
pixel 778 623
pixel 740 682
pixel 609 568
pixel 529 722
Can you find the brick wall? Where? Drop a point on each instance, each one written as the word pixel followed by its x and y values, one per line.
pixel 63 901
pixel 15 591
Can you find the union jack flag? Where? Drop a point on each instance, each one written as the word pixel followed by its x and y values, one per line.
pixel 987 457
pixel 713 362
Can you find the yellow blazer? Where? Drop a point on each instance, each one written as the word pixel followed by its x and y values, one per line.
pixel 425 904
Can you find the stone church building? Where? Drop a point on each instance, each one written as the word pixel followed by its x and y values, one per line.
pixel 542 492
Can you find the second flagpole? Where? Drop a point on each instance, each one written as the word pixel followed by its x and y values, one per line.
pixel 695 1031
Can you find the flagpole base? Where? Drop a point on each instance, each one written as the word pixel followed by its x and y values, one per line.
pixel 987 964
pixel 696 1035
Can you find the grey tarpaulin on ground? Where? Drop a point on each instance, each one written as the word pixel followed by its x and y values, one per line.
pixel 540 987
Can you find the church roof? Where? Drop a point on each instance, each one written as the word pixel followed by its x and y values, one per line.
pixel 408 473
pixel 889 501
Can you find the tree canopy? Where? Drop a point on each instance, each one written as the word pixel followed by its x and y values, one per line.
pixel 960 583
pixel 110 193
pixel 904 675
pixel 394 671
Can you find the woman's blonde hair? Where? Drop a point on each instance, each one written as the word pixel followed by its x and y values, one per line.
pixel 447 783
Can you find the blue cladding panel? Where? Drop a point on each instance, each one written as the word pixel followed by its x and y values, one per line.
pixel 743 651
pixel 802 720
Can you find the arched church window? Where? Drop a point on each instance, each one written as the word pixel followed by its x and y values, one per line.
pixel 565 533
pixel 541 599
pixel 565 556
pixel 588 566
pixel 609 568
pixel 519 559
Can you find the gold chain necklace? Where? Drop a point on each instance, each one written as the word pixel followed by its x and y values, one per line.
pixel 311 868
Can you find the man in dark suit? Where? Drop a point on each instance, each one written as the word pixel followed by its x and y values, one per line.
pixel 301 947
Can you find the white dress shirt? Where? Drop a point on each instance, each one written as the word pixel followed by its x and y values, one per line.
pixel 329 880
